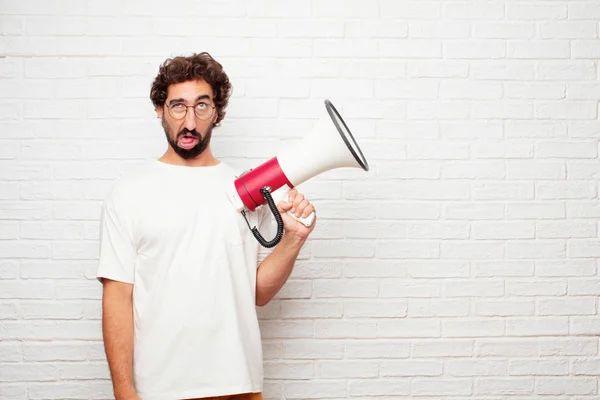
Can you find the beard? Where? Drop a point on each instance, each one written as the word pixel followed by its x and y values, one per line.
pixel 186 154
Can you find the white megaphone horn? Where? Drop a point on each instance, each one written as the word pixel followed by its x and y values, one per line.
pixel 328 146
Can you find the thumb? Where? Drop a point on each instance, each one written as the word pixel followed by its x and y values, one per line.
pixel 284 205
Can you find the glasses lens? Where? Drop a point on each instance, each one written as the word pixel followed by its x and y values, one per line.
pixel 203 111
pixel 177 110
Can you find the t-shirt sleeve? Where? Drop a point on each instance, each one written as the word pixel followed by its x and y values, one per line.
pixel 117 249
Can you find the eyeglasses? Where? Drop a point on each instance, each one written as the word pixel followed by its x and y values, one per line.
pixel 202 110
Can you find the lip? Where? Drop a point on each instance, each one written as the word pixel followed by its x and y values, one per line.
pixel 187 142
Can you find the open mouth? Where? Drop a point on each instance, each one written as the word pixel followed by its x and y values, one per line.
pixel 188 141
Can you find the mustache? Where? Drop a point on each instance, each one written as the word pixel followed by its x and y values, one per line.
pixel 185 131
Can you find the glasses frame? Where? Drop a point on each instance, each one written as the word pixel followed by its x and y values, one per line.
pixel 194 107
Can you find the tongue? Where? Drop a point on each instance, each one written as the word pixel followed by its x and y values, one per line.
pixel 187 142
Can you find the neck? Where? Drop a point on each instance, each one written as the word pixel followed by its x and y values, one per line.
pixel 205 159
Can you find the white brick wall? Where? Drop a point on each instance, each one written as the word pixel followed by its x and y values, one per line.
pixel 462 266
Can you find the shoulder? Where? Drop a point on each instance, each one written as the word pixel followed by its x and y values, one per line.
pixel 230 171
pixel 130 182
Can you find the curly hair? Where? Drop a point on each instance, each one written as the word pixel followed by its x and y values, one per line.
pixel 183 69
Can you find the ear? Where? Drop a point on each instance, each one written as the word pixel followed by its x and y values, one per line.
pixel 159 112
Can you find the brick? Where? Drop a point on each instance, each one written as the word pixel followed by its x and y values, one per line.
pixel 466 10
pixel 541 91
pixel 504 308
pixel 289 370
pixel 442 348
pixel 538 49
pixel 477 368
pixel 505 268
pixel 315 389
pixel 503 30
pixel 408 249
pixel 58 390
pixel 536 288
pixel 375 309
pixel 586 367
pixel 571 229
pixel 572 306
pixel 346 8
pixel 14 391
pixel 473 211
pixel 437 68
pixel 408 328
pixel 535 210
pixel 506 347
pixel 415 48
pixel 379 387
pixel 568 30
pixel 536 249
pixel 28 372
pixel 391 288
pixel 566 71
pixel 466 328
pixel 433 387
pixel 311 309
pixel 339 369
pixel 530 170
pixel 585 49
pixel 536 11
pixel 585 325
pixel 503 230
pixel 502 110
pixel 436 29
pixel 583 287
pixel 379 29
pixel 313 349
pixel 377 349
pixel 437 308
pixel 470 90
pixel 568 386
pixel 410 368
pixel 351 288
pixel 535 129
pixel 504 386
pixel 572 346
pixel 507 70
pixel 566 111
pixel 471 129
pixel 565 268
pixel 410 9
pixel 539 326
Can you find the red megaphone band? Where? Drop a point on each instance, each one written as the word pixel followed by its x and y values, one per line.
pixel 267 174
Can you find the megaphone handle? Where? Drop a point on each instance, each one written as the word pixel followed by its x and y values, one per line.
pixel 308 221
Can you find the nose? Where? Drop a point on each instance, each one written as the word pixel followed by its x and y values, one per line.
pixel 190 120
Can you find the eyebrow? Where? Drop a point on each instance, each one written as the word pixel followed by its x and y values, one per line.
pixel 181 100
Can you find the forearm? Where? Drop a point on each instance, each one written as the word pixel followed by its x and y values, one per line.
pixel 276 268
pixel 117 329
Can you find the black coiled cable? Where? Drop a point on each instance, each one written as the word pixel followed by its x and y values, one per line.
pixel 268 244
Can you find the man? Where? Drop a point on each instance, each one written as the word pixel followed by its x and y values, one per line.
pixel 179 265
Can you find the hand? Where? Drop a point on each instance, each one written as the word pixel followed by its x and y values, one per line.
pixel 301 207
pixel 130 397
pixel 126 395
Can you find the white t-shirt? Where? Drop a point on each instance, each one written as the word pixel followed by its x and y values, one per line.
pixel 172 232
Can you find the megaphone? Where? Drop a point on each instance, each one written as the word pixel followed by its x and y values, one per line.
pixel 328 146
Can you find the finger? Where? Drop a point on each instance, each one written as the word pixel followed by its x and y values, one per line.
pixel 291 194
pixel 300 208
pixel 309 209
pixel 297 200
pixel 284 206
